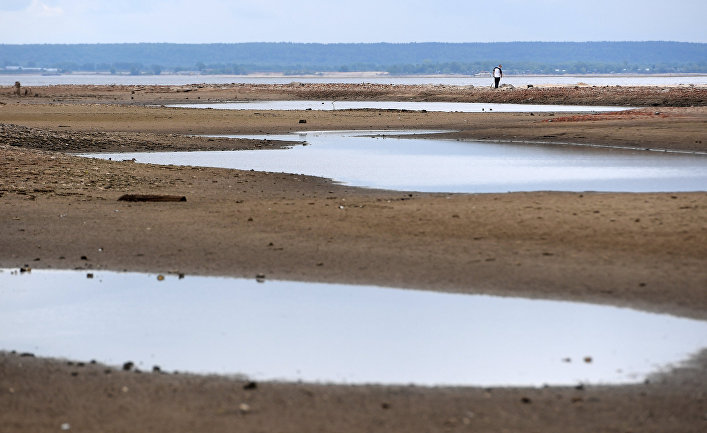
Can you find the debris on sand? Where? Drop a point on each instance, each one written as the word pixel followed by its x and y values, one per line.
pixel 151 197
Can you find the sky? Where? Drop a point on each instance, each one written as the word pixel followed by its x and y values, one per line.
pixel 334 21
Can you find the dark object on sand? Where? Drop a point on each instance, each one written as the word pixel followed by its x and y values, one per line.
pixel 151 197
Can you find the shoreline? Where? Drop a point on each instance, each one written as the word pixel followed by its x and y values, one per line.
pixel 644 250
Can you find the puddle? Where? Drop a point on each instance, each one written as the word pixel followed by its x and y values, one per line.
pixel 463 107
pixel 334 333
pixel 436 165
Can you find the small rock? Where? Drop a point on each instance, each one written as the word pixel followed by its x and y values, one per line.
pixel 526 400
pixel 89 275
pixel 250 386
pixel 260 278
pixel 588 359
pixel 128 366
pixel 66 426
pixel 160 277
pixel 244 408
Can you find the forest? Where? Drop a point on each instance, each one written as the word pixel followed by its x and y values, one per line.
pixel 394 58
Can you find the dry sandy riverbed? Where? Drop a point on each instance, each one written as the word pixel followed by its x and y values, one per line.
pixel 643 250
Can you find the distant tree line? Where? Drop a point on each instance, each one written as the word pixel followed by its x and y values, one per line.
pixel 410 58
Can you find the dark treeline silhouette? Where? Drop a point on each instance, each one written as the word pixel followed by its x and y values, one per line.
pixel 407 58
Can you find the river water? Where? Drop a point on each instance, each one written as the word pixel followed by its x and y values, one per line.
pixel 141 80
pixel 375 159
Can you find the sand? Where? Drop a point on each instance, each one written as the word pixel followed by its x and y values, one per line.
pixel 645 251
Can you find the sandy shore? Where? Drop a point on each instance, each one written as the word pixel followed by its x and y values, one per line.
pixel 642 250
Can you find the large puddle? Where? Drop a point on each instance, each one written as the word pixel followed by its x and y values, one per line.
pixel 334 333
pixel 434 165
pixel 463 107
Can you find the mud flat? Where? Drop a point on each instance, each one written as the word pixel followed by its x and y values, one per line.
pixel 647 251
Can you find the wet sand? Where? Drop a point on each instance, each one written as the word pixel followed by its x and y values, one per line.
pixel 646 251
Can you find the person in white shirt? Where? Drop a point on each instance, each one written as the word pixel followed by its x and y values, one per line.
pixel 497 74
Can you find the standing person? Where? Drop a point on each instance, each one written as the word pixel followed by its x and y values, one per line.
pixel 497 74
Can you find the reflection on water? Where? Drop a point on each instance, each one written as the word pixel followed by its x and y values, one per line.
pixel 463 107
pixel 333 332
pixel 434 165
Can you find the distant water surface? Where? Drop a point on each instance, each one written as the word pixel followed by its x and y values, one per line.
pixel 522 80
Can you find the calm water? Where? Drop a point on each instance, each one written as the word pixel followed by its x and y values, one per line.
pixel 334 333
pixel 465 107
pixel 434 165
pixel 650 80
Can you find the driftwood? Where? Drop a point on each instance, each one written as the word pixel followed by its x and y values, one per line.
pixel 151 197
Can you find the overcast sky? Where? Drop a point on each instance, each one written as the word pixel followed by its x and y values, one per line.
pixel 330 21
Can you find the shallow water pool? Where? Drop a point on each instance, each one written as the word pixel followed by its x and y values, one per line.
pixel 336 333
pixel 375 159
pixel 462 107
